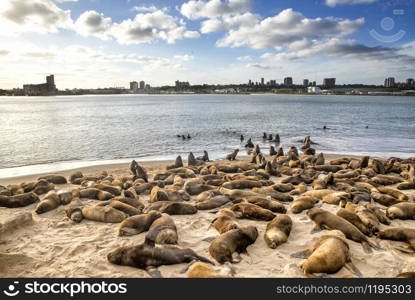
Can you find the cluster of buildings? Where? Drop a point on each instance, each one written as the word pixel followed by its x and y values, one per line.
pixel 139 86
pixel 288 82
pixel 43 89
pixel 390 83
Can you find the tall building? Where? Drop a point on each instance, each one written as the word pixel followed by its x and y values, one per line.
pixel 262 81
pixel 389 82
pixel 142 85
pixel 410 82
pixel 50 83
pixel 48 88
pixel 329 82
pixel 288 81
pixel 133 85
pixel 250 82
pixel 306 82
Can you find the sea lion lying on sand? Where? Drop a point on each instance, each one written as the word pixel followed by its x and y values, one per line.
pixel 252 211
pixel 103 214
pixel 214 202
pixel 93 193
pixel 303 203
pixel 203 270
pixel 225 221
pixel 277 231
pixel 74 210
pixel 138 224
pixel 235 240
pixel 177 164
pixel 18 200
pixel 354 219
pixel 48 203
pixel 164 230
pixel 172 208
pixel 266 202
pixel 403 211
pixel 241 184
pixel 53 178
pixel 399 234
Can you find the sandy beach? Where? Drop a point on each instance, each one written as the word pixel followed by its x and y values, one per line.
pixel 51 245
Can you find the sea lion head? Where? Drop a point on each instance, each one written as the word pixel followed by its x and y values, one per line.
pixel 121 256
pixel 313 212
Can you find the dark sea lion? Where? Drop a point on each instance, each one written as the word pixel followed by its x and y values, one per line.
pixel 297 179
pixel 235 240
pixel 354 219
pixel 380 215
pixel 138 224
pixel 325 219
pixel 146 187
pixel 74 210
pixel 241 184
pixel 192 161
pixel 65 196
pixel 103 214
pixel 408 185
pixel 328 255
pixel 249 144
pixel 205 156
pixel 377 166
pixel 74 176
pixel 232 156
pixel 340 161
pixel 213 202
pixel 53 178
pixel 18 200
pixel 277 231
pixel 147 255
pixel 42 187
pixel 272 151
pixel 138 171
pixel 165 231
pixel 48 203
pixel 303 203
pixel 269 169
pixel 406 275
pixel 172 208
pixel 177 164
pixel 252 211
pixel 158 194
pixel 399 234
pixel 403 211
pixel 272 205
pixel 320 160
pixel 327 168
pixel 93 193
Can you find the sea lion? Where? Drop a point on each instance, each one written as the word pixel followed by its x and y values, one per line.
pixel 205 157
pixel 232 156
pixel 53 178
pixel 327 168
pixel 203 270
pixel 408 185
pixel 138 224
pixel 328 255
pixel 103 214
pixel 319 160
pixel 299 190
pixel 406 275
pixel 74 210
pixel 241 184
pixel 158 194
pixel 177 164
pixel 403 211
pixel 283 187
pixel 18 200
pixel 249 144
pixel 74 176
pixel 93 193
pixel 225 221
pixel 384 199
pixel 65 196
pixel 399 234
pixel 354 219
pixel 235 240
pixel 148 255
pixel 48 203
pixel 269 169
pixel 303 203
pixel 252 211
pixel 325 219
pixel 269 191
pixel 42 187
pixel 386 179
pixel 272 151
pixel 392 192
pixel 115 190
pixel 267 203
pixel 277 231
pixel 144 188
pixel 380 215
pixel 192 161
pixel 297 179
pixel 165 231
pixel 125 208
pixel 138 171
pixel 172 208
pixel 213 202
pixel 196 186
pixel 377 166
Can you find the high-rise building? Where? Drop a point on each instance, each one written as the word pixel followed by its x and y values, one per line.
pixel 389 82
pixel 48 88
pixel 142 85
pixel 288 81
pixel 410 82
pixel 50 82
pixel 250 82
pixel 262 81
pixel 329 82
pixel 306 82
pixel 314 83
pixel 133 85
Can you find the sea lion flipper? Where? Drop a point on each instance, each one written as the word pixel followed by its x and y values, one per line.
pixel 302 254
pixel 154 272
pixel 352 268
pixel 366 247
pixel 186 268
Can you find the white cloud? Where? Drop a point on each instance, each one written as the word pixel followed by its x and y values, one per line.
pixel 333 3
pixel 32 16
pixel 197 9
pixel 244 58
pixel 92 23
pixel 185 57
pixel 259 66
pixel 150 8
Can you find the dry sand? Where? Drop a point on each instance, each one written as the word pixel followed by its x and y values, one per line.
pixel 50 245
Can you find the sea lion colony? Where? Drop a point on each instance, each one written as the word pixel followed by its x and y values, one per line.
pixel 360 188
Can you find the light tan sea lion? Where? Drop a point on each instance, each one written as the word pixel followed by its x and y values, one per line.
pixel 354 219
pixel 277 231
pixel 48 203
pixel 386 179
pixel 125 208
pixel 18 200
pixel 183 172
pixel 103 214
pixel 403 211
pixel 53 178
pixel 213 202
pixel 138 224
pixel 392 192
pixel 252 211
pixel 299 189
pixel 320 194
pixel 235 240
pixel 303 203
pixel 399 234
pixel 92 193
pixel 74 210
pixel 325 219
pixel 165 231
pixel 146 187
pixel 328 255
pixel 203 270
pixel 269 191
pixel 336 197
pixel 225 221
pixel 196 186
pixel 241 184
pixel 283 187
pixel 267 203
pixel 172 208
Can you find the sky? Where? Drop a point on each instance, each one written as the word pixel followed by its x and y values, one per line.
pixel 107 43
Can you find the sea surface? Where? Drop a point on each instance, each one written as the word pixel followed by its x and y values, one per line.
pixel 64 132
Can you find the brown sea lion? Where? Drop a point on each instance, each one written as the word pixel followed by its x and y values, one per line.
pixel 377 166
pixel 196 186
pixel 225 221
pixel 319 160
pixel 408 185
pixel 241 184
pixel 406 275
pixel 354 219
pixel 165 231
pixel 267 203
pixel 269 169
pixel 325 219
pixel 297 179
pixel 183 172
pixel 172 208
pixel 269 191
pixel 235 240
pixel 252 211
pixel 384 199
pixel 277 231
pixel 403 211
pixel 213 202
pixel 203 270
pixel 138 224
pixel 299 189
pixel 138 171
pixel 93 193
pixel 303 203
pixel 18 200
pixel 232 156
pixel 328 255
pixel 386 179
pixel 115 190
pixel 42 187
pixel 392 192
pixel 204 157
pixel 125 208
pixel 283 187
pixel 74 176
pixel 48 203
pixel 65 196
pixel 192 161
pixel 380 215
pixel 399 234
pixel 74 210
pixel 327 168
pixel 144 188
pixel 177 164
pixel 53 178
pixel 340 161
pixel 103 214
pixel 158 194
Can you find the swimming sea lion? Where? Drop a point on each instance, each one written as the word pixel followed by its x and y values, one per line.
pixel 18 200
pixel 165 231
pixel 103 214
pixel 403 211
pixel 277 231
pixel 252 211
pixel 235 240
pixel 138 224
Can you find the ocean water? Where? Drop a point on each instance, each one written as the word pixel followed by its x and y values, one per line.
pixel 84 130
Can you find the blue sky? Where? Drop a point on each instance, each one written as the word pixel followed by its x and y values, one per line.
pixel 101 43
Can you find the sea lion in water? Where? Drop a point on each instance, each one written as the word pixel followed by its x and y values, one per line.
pixel 138 171
pixel 225 221
pixel 399 234
pixel 328 255
pixel 138 224
pixel 74 210
pixel 48 203
pixel 232 156
pixel 103 214
pixel 249 144
pixel 173 208
pixel 18 200
pixel 235 240
pixel 165 231
pixel 277 231
pixel 272 151
pixel 147 255
pixel 325 219
pixel 252 211
pixel 403 211
pixel 303 203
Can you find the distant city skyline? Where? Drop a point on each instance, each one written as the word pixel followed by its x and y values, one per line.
pixel 103 43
